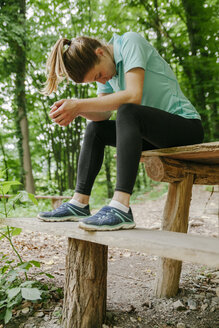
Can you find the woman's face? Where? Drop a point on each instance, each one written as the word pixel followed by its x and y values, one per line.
pixel 103 71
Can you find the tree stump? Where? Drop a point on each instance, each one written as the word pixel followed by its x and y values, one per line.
pixel 175 218
pixel 85 285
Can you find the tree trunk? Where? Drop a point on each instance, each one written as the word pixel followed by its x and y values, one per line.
pixel 85 285
pixel 23 133
pixel 4 158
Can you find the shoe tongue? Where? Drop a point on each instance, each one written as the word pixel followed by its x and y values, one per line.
pixel 106 208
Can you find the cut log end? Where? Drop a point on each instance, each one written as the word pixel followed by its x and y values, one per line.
pixel 170 170
pixel 154 168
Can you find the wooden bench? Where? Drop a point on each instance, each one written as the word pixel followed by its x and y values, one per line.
pixel 55 200
pixel 86 260
pixel 181 167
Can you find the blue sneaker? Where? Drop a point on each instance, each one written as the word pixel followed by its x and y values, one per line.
pixel 65 212
pixel 108 218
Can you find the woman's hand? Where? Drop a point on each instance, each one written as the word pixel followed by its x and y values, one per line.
pixel 64 111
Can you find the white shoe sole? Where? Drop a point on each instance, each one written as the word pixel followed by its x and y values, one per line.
pixel 122 226
pixel 55 219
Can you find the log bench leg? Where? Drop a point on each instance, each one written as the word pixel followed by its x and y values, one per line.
pixel 85 285
pixel 175 218
pixel 56 203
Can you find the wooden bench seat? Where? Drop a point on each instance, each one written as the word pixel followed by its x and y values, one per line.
pixel 199 153
pixel 179 246
pixel 86 260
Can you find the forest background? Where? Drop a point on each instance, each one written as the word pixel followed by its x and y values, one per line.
pixel 44 156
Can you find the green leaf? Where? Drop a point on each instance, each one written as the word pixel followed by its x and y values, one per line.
pixel 2 172
pixel 24 267
pixel 8 316
pixel 12 275
pixel 6 186
pixel 13 292
pixel 10 183
pixel 28 283
pixel 49 275
pixel 3 304
pixel 4 269
pixel 16 231
pixel 5 189
pixel 15 198
pixel 33 199
pixel 31 294
pixel 15 301
pixel 35 263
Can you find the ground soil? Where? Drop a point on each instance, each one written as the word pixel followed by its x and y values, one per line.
pixel 131 276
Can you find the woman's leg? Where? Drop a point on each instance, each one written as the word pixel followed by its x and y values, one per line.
pixel 141 128
pixel 97 136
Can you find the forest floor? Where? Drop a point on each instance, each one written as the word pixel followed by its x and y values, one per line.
pixel 131 276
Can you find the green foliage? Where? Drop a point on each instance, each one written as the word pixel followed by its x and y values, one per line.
pixel 15 286
pixel 5 188
pixel 184 32
pixel 14 289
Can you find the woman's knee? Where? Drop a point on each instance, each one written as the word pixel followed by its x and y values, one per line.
pixel 95 128
pixel 91 128
pixel 126 111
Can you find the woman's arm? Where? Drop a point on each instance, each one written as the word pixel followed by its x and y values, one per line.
pixel 97 116
pixel 63 112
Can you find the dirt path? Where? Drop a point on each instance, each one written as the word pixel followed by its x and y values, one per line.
pixel 131 276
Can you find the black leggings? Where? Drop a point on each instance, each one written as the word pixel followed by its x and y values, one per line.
pixel 136 128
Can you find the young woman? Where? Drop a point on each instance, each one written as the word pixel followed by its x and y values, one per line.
pixel 152 112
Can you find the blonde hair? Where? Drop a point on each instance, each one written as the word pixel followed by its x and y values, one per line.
pixel 75 62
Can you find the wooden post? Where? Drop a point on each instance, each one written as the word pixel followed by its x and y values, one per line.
pixel 175 218
pixel 56 203
pixel 85 285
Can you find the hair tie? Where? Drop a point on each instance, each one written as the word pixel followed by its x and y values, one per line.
pixel 69 42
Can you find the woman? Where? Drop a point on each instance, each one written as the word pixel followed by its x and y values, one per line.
pixel 152 112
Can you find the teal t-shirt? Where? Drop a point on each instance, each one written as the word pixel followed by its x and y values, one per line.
pixel 161 89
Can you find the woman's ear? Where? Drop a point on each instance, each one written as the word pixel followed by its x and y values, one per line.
pixel 99 51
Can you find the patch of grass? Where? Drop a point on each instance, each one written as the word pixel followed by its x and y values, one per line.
pixel 159 191
pixel 155 191
pixel 209 188
pixel 28 210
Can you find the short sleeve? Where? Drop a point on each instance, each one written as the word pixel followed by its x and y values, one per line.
pixel 135 51
pixel 104 88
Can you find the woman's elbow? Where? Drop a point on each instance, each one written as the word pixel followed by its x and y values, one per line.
pixel 136 99
pixel 103 116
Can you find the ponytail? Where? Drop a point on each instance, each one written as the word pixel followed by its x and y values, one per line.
pixel 55 68
pixel 75 62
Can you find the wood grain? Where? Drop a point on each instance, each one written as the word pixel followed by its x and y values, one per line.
pixel 179 246
pixel 200 153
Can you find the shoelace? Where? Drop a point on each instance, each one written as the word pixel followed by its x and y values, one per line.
pixel 102 213
pixel 60 207
pixel 108 215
